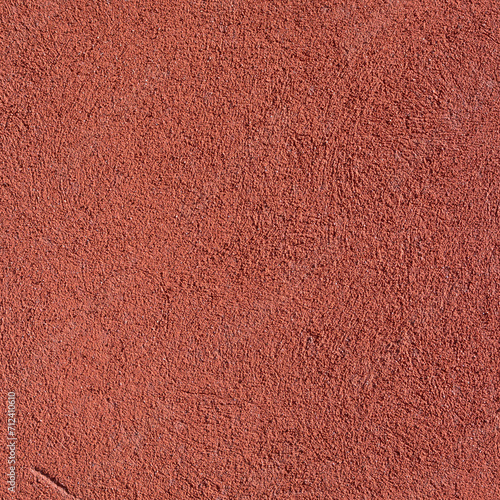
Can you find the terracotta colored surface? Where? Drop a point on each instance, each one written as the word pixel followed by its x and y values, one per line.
pixel 250 250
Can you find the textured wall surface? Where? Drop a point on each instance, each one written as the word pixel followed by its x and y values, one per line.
pixel 250 249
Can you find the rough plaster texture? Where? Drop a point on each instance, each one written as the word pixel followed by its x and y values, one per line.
pixel 250 249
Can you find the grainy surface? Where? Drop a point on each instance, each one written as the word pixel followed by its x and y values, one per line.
pixel 250 250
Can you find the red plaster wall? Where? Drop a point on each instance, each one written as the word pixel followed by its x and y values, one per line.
pixel 250 249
